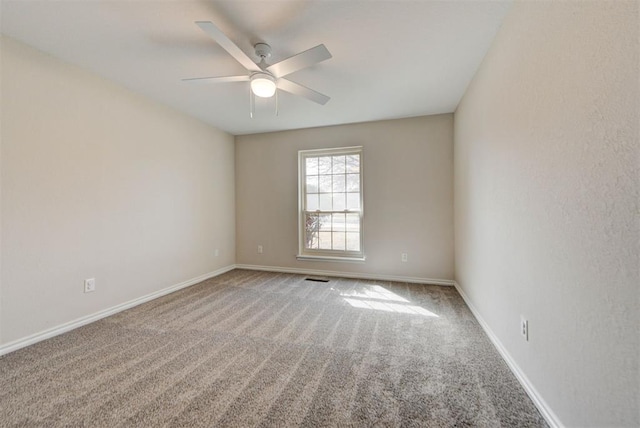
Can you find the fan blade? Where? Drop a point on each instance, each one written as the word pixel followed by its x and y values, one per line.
pixel 303 91
pixel 302 60
pixel 226 43
pixel 223 79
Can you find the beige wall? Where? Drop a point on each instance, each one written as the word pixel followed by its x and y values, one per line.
pixel 100 182
pixel 408 198
pixel 546 203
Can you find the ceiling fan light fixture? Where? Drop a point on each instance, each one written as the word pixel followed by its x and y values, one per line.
pixel 263 85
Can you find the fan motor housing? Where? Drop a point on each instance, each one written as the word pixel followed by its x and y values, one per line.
pixel 263 50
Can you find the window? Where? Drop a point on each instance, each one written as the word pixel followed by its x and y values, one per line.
pixel 330 204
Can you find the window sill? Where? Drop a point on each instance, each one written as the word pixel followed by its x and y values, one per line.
pixel 310 258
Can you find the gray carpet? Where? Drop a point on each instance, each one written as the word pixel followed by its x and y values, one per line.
pixel 268 349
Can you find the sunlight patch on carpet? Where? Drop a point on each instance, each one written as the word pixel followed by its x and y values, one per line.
pixel 379 298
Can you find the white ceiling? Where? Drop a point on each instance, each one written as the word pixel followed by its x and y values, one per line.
pixel 391 59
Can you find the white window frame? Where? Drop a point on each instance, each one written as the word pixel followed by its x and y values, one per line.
pixel 318 254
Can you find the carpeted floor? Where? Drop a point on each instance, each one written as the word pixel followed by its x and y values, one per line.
pixel 268 349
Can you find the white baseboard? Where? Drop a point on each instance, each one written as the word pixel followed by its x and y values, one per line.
pixel 63 328
pixel 531 391
pixel 349 274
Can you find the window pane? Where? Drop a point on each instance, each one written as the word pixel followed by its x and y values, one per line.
pixel 339 202
pixel 312 166
pixel 312 184
pixel 325 201
pixel 311 231
pixel 338 241
pixel 353 201
pixel 353 223
pixel 338 164
pixel 353 182
pixel 325 222
pixel 353 241
pixel 325 183
pixel 312 202
pixel 338 222
pixel 324 165
pixel 312 240
pixel 339 183
pixel 353 163
pixel 324 241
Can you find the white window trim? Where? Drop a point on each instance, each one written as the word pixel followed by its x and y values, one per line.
pixel 327 255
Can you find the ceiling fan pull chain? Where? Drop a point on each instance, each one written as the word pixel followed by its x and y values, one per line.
pixel 251 103
pixel 276 102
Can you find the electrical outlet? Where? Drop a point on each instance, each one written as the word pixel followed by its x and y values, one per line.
pixel 524 328
pixel 259 249
pixel 404 257
pixel 89 285
pixel 216 252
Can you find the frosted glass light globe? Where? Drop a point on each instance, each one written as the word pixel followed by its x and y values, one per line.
pixel 263 85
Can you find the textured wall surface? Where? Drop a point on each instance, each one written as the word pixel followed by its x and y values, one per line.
pixel 546 203
pixel 100 182
pixel 408 195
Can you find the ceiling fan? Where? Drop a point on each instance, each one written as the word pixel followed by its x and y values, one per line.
pixel 265 79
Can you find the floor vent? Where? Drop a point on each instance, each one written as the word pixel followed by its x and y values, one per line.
pixel 316 279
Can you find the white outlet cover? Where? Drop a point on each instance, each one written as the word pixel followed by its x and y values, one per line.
pixel 89 285
pixel 524 328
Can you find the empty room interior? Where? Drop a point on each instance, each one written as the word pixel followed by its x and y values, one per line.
pixel 320 213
